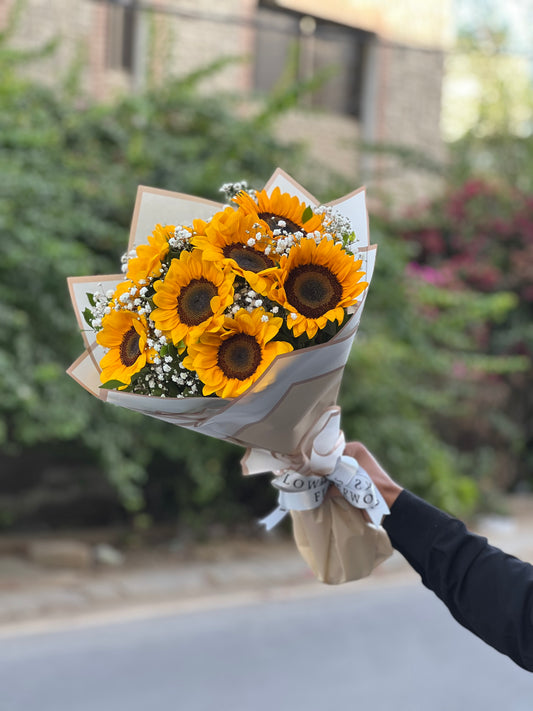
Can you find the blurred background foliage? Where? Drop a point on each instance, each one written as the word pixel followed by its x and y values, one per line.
pixel 489 134
pixel 436 384
pixel 476 243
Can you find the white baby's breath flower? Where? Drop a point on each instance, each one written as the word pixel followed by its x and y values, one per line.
pixel 232 189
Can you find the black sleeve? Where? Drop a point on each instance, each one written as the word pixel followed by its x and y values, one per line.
pixel 487 591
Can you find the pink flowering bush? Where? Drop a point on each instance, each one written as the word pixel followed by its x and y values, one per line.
pixel 476 242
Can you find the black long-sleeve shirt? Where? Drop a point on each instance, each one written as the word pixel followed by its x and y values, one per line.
pixel 487 591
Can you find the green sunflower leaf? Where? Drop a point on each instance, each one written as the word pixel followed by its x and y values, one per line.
pixel 88 316
pixel 112 385
pixel 348 238
pixel 90 298
pixel 172 350
pixel 307 214
pixel 331 328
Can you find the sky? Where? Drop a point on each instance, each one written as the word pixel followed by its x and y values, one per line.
pixel 514 15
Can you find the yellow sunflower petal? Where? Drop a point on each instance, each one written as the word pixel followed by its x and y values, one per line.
pixel 232 238
pixel 228 362
pixel 125 334
pixel 270 209
pixel 147 263
pixel 315 283
pixel 185 297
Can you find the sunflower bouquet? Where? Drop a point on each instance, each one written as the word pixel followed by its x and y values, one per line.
pixel 236 320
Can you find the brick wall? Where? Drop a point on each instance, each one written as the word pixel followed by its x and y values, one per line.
pixel 402 87
pixel 43 20
pixel 330 141
pixel 80 28
pixel 200 34
pixel 5 7
pixel 409 82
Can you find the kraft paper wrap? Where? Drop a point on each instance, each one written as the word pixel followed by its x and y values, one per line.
pixel 337 543
pixel 277 412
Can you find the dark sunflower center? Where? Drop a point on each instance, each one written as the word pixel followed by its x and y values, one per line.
pixel 247 257
pixel 239 356
pixel 129 348
pixel 312 289
pixel 194 301
pixel 272 221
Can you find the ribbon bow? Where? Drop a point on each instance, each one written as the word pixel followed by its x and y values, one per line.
pixel 304 478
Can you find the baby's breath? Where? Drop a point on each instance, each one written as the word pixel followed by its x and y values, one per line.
pixel 164 374
pixel 232 189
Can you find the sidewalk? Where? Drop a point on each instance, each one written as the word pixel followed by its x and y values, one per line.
pixel 33 591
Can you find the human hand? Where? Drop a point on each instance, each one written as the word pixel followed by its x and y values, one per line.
pixel 385 485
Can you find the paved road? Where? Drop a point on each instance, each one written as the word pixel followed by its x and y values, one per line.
pixel 387 648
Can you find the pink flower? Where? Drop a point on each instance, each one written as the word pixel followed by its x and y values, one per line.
pixel 428 274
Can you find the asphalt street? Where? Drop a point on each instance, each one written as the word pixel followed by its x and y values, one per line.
pixel 392 647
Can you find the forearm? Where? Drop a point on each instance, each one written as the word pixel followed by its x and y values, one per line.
pixel 486 590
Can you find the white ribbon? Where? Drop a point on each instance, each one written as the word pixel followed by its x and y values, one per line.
pixel 303 480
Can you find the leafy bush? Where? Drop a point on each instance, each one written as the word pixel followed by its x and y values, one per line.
pixel 69 180
pixel 70 174
pixel 477 241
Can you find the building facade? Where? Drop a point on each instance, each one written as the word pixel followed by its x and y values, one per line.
pixel 378 66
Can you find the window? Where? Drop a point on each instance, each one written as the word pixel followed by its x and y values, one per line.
pixel 121 27
pixel 293 47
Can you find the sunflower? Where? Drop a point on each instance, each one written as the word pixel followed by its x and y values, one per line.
pixel 230 238
pixel 315 283
pixel 125 334
pixel 147 263
pixel 279 206
pixel 230 361
pixel 124 287
pixel 192 297
pixel 198 226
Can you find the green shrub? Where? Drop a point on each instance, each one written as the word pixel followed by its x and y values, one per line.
pixel 476 243
pixel 69 177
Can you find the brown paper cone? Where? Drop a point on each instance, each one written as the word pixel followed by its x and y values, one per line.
pixel 337 543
